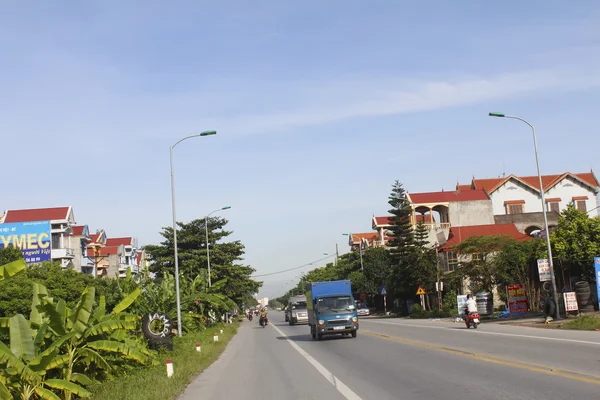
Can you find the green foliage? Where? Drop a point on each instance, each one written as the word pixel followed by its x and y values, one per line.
pixel 401 229
pixel 10 254
pixel 62 349
pixel 479 260
pixel 421 234
pixel 225 257
pixel 153 384
pixel 576 242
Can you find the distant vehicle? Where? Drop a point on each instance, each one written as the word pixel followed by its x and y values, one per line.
pixel 297 312
pixel 331 309
pixel 278 309
pixel 363 310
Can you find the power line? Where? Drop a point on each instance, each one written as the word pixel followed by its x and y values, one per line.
pixel 291 269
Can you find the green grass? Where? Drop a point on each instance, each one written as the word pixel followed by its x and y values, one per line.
pixel 588 323
pixel 152 382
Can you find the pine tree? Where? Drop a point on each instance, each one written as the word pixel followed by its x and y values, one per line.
pixel 401 227
pixel 421 235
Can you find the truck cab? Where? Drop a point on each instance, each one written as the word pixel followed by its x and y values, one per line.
pixel 331 309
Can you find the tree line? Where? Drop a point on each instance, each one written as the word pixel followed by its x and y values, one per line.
pixel 408 261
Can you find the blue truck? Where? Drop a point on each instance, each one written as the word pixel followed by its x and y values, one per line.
pixel 331 309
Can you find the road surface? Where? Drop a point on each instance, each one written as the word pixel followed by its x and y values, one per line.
pixel 404 359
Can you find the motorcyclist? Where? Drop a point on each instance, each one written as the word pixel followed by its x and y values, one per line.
pixel 471 305
pixel 264 314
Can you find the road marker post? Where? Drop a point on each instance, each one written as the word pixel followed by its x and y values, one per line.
pixel 169 364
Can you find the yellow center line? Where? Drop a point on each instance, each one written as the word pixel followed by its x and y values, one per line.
pixel 544 369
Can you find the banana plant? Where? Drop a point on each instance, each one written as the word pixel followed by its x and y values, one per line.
pixel 91 333
pixel 12 268
pixel 28 362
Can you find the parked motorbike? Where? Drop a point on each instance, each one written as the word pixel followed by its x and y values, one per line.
pixel 472 319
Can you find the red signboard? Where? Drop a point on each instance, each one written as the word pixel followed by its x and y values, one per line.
pixel 517 298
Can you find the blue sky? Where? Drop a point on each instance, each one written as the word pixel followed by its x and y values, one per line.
pixel 318 108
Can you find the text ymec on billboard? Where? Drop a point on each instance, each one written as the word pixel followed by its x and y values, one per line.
pixel 33 238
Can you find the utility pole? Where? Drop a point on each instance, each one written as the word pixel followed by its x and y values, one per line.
pixel 439 286
pixel 337 254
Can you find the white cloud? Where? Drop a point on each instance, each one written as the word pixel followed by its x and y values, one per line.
pixel 425 96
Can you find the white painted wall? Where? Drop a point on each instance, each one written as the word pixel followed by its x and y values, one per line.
pixel 565 190
pixel 515 190
pixel 569 188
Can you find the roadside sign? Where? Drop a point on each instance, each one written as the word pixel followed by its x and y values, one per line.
pixel 570 301
pixel 383 291
pixel 597 265
pixel 439 286
pixel 421 291
pixel 517 298
pixel 544 270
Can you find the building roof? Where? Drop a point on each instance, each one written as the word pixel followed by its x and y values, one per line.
pixel 548 181
pixel 80 230
pixel 37 214
pixel 458 234
pixel 370 236
pixel 104 251
pixel 447 197
pixel 381 221
pixel 125 241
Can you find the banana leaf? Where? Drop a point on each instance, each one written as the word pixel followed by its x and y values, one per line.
pixel 11 269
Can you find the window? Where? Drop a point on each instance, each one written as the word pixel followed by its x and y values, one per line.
pixel 580 205
pixel 451 262
pixel 514 208
pixel 554 206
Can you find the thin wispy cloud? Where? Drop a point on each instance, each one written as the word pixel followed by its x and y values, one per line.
pixel 426 96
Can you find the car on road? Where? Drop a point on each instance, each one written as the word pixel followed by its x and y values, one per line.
pixel 363 310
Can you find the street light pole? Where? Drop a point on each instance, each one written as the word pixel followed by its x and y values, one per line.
pixel 542 195
pixel 205 133
pixel 207 245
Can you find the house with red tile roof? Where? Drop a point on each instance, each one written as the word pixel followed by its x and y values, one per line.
pixel 61 221
pixel 440 210
pixel 521 194
pixel 367 239
pixel 518 199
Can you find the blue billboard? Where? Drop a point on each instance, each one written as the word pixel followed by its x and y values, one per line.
pixel 33 238
pixel 597 265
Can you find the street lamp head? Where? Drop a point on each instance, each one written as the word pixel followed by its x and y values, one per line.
pixel 226 208
pixel 346 234
pixel 208 133
pixel 496 114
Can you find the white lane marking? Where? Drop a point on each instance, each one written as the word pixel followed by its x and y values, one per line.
pixel 339 385
pixel 480 332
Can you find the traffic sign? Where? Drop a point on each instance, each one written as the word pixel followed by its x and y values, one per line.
pixel 421 291
pixel 383 291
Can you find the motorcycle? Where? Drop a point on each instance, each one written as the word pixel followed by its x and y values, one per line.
pixel 250 316
pixel 472 319
pixel 263 321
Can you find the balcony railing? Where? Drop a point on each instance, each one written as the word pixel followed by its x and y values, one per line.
pixel 63 253
pixel 436 225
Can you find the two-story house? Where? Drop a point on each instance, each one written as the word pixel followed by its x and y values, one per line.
pixel 441 210
pixel 518 199
pixel 78 241
pixel 124 252
pixel 61 220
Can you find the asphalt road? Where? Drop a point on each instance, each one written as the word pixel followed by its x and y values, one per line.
pixel 404 359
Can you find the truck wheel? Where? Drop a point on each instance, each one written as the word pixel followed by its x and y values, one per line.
pixel 354 333
pixel 319 337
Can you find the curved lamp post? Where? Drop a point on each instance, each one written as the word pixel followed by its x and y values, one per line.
pixel 542 195
pixel 207 245
pixel 205 133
